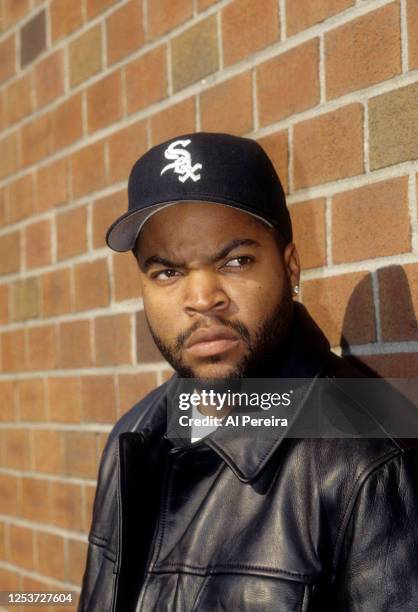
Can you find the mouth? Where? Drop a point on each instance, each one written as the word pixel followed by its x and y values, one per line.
pixel 215 340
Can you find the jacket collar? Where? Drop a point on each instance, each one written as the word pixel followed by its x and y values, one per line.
pixel 304 357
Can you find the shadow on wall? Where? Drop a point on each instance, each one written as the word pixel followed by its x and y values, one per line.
pixel 397 323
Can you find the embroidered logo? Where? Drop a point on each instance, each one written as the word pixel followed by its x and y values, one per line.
pixel 182 163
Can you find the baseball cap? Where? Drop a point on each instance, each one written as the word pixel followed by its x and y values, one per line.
pixel 202 167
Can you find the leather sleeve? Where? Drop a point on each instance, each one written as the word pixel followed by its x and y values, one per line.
pixel 378 559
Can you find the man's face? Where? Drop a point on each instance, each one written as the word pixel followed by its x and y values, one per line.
pixel 216 290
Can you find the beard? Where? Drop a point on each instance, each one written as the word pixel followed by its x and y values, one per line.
pixel 265 350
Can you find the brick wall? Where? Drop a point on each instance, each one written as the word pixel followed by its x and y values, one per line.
pixel 329 87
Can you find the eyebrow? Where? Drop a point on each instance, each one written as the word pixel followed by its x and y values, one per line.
pixel 230 246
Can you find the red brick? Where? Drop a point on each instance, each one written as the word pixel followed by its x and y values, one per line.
pixel 3 206
pixel 88 169
pixel 391 115
pixel 36 140
pixel 3 541
pixel 3 104
pixel 9 253
pixel 147 351
pixel 67 123
pixel 49 78
pixel 8 399
pixel 9 580
pixel 42 347
pixel 16 450
pixel 411 272
pixel 363 52
pixel 228 107
pixel 33 38
pixel 342 306
pixel 174 120
pixel 99 399
pixel 51 561
pixel 247 27
pixel 47 451
pixel 64 399
pixel 398 299
pixel 13 351
pixel 309 232
pixel 383 206
pixel 125 146
pixel 77 555
pixel 32 400
pixel 134 387
pixel 36 499
pixel 125 31
pixel 91 285
pixel 13 11
pixel 94 7
pixel 305 13
pixel 125 277
pixel 329 147
pixel 66 505
pixel 85 55
pixel 104 102
pixel 4 304
pixel 21 198
pixel 75 344
pixel 19 98
pixel 165 15
pixel 65 17
pixel 113 340
pixel 26 299
pixel 72 232
pixel 9 494
pixel 21 546
pixel 188 68
pixel 412 13
pixel 56 292
pixel 38 244
pixel 146 79
pixel 7 58
pixel 276 147
pixel 394 365
pixel 289 83
pixel 8 159
pixel 105 211
pixel 52 185
pixel 80 454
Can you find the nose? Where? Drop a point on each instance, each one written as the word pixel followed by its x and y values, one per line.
pixel 204 293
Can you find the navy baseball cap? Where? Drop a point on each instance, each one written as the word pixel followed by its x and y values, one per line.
pixel 202 167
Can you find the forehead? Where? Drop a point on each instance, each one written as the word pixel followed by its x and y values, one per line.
pixel 198 224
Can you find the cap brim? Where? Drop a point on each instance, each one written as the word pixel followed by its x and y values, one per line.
pixel 123 233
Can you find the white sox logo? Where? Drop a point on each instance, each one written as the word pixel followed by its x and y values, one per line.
pixel 182 163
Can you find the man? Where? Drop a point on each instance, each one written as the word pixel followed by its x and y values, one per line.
pixel 238 523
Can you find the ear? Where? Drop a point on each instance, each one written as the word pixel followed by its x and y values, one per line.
pixel 292 263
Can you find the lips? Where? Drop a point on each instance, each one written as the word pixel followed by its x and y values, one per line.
pixel 214 340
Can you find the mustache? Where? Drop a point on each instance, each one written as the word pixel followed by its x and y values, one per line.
pixel 237 326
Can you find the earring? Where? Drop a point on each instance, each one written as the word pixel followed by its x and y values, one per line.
pixel 296 289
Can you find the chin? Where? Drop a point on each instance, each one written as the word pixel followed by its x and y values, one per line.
pixel 216 371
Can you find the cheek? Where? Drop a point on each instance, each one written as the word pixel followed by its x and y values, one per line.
pixel 161 311
pixel 255 300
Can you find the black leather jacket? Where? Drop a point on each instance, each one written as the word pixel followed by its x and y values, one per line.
pixel 279 526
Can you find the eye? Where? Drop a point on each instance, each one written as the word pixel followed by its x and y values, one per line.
pixel 239 262
pixel 163 275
